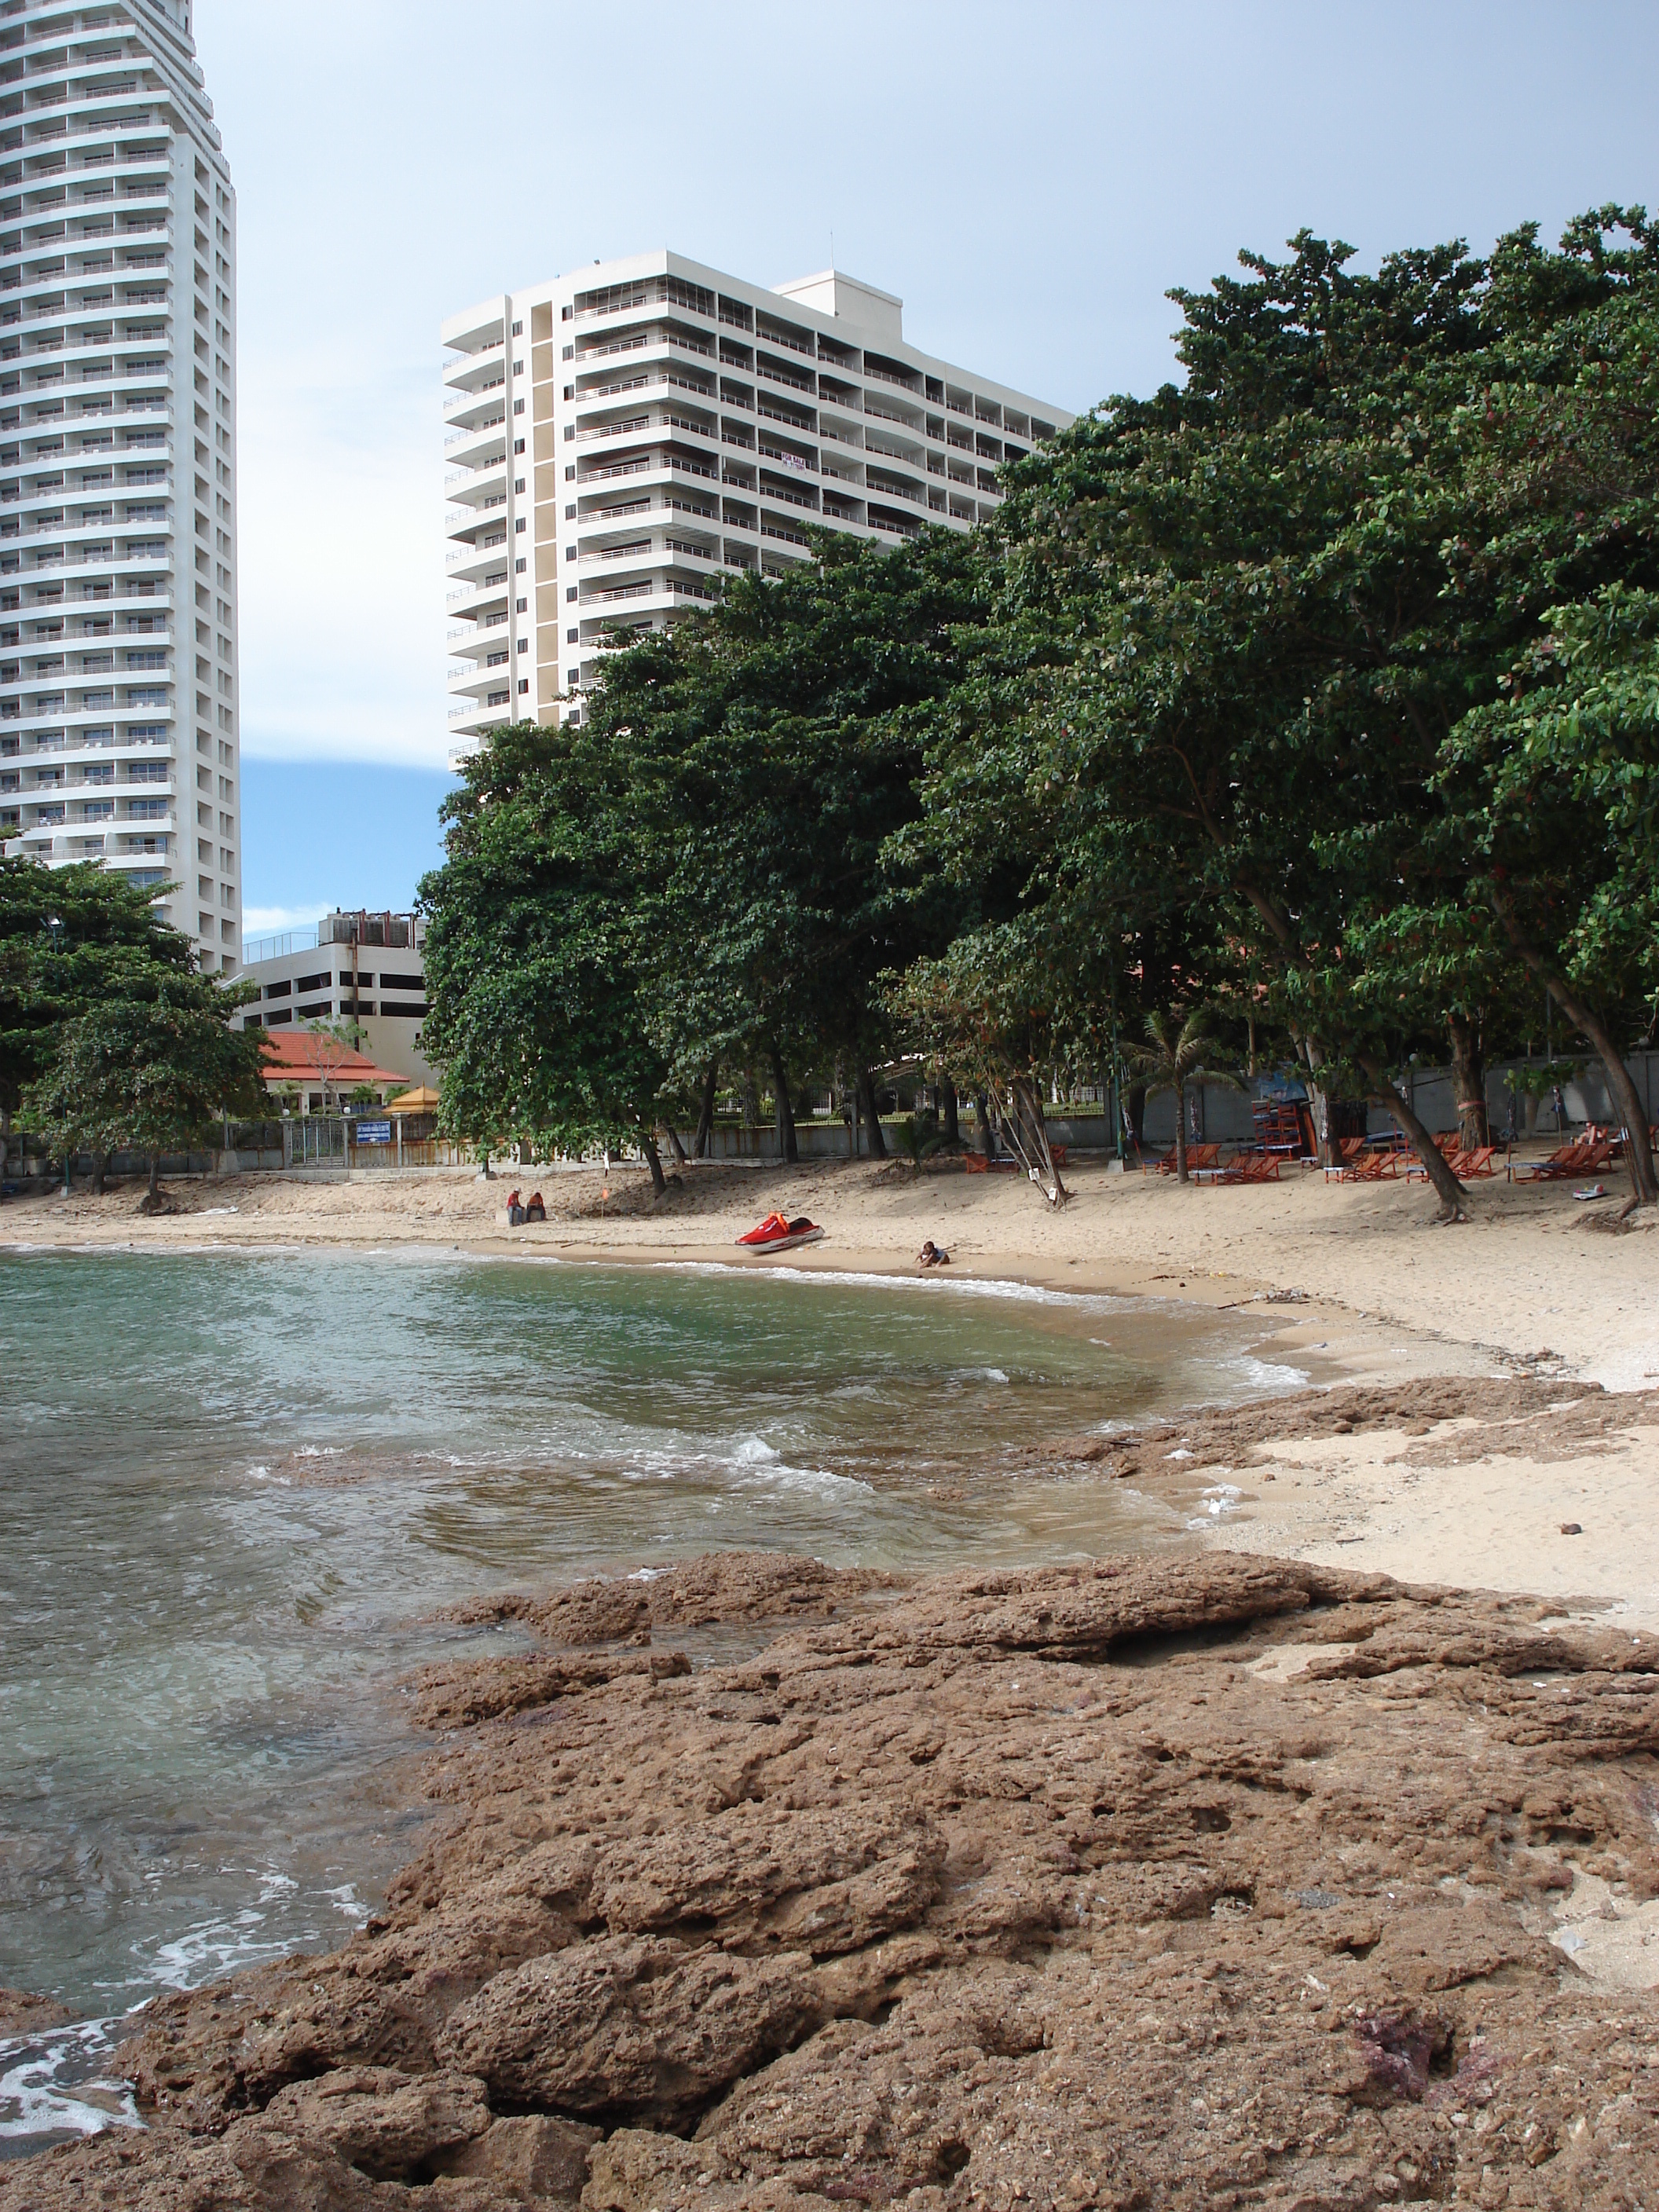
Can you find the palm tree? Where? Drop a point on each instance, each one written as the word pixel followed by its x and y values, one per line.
pixel 1174 1058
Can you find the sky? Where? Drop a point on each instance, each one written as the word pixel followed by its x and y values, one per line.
pixel 1031 179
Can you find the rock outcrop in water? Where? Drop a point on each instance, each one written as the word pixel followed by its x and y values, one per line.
pixel 1213 1882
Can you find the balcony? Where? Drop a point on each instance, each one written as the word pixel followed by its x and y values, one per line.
pixel 633 424
pixel 905 380
pixel 781 335
pixel 471 433
pixel 775 372
pixel 798 462
pixel 474 395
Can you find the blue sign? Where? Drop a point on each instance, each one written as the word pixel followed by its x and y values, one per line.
pixel 374 1133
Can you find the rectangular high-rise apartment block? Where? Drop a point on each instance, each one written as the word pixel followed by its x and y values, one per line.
pixel 119 712
pixel 620 438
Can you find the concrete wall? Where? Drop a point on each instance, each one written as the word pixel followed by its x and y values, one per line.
pixel 1587 1097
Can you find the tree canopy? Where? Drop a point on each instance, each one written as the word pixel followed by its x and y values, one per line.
pixel 70 938
pixel 1318 690
pixel 147 1074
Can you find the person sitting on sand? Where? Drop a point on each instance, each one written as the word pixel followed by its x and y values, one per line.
pixel 535 1210
pixel 514 1210
pixel 931 1257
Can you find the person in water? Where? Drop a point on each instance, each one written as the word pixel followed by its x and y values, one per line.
pixel 931 1257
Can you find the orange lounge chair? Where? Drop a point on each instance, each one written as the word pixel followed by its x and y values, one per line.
pixel 1378 1165
pixel 1198 1155
pixel 1475 1164
pixel 1579 1159
pixel 1252 1167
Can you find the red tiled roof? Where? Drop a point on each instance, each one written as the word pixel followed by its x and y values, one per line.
pixel 301 1055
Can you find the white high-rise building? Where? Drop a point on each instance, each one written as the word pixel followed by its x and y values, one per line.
pixel 620 437
pixel 118 709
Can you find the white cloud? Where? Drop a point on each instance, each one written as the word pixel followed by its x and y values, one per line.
pixel 273 920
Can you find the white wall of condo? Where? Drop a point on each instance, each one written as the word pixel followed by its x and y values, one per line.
pixel 379 985
pixel 119 714
pixel 617 439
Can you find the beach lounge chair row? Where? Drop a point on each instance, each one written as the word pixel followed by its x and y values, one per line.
pixel 1578 1159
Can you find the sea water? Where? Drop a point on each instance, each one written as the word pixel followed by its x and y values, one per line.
pixel 237 1488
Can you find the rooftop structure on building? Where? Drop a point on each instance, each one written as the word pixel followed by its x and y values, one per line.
pixel 318 1074
pixel 618 438
pixel 359 971
pixel 118 708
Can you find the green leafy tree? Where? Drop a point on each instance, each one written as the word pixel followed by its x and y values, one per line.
pixel 537 931
pixel 992 1014
pixel 1247 615
pixel 147 1075
pixel 1180 1053
pixel 69 939
pixel 769 752
pixel 1558 781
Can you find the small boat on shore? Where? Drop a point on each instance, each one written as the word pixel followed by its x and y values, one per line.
pixel 779 1233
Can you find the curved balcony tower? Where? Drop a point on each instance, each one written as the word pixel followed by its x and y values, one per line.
pixel 119 710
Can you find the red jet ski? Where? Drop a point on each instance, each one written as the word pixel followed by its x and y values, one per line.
pixel 778 1234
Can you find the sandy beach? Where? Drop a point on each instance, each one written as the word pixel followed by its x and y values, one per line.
pixel 1358 1285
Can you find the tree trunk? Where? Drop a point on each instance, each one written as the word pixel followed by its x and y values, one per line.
pixel 653 1161
pixel 1625 1093
pixel 1030 1125
pixel 1330 1151
pixel 1135 1099
pixel 787 1148
pixel 154 1190
pixel 675 1145
pixel 1468 1082
pixel 1182 1174
pixel 750 1100
pixel 1451 1192
pixel 1327 1149
pixel 99 1162
pixel 987 1135
pixel 866 1098
pixel 950 1127
pixel 701 1142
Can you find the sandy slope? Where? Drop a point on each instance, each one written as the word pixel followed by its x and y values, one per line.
pixel 1526 1286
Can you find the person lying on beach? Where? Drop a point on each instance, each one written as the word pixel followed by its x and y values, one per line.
pixel 931 1257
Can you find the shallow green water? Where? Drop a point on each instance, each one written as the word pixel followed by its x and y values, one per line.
pixel 236 1488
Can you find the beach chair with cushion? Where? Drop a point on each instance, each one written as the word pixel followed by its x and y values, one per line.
pixel 1576 1159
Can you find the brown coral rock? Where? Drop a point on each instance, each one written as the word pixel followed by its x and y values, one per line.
pixel 1209 1881
pixel 629 2026
pixel 387 2124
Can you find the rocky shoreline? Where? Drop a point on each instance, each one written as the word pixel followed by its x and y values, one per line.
pixel 1195 1881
